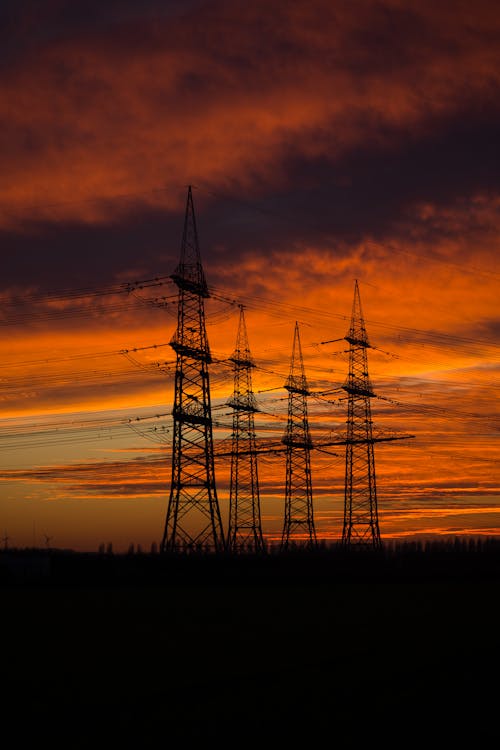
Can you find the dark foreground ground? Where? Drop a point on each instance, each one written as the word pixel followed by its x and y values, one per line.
pixel 397 649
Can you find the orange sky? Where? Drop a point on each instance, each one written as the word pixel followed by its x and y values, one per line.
pixel 325 143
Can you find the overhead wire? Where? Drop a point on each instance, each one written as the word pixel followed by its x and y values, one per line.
pixel 433 339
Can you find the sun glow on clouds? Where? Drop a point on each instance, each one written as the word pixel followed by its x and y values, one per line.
pixel 98 116
pixel 409 374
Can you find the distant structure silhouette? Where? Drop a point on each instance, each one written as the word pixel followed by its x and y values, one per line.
pixel 361 526
pixel 298 526
pixel 245 529
pixel 193 519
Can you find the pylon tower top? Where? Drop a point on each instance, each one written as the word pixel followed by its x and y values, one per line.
pixel 296 380
pixel 241 355
pixel 357 335
pixel 242 359
pixel 189 273
pixel 358 381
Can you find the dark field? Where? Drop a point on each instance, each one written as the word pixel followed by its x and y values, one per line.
pixel 397 649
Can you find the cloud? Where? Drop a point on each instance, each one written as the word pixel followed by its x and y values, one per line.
pixel 230 94
pixel 101 479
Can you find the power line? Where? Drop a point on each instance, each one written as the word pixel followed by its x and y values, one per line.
pixel 92 199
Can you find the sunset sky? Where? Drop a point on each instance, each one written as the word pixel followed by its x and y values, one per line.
pixel 325 142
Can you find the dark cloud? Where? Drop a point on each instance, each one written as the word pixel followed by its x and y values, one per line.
pixel 487 330
pixel 90 472
pixel 373 190
pixel 369 192
pixel 30 25
pixel 50 256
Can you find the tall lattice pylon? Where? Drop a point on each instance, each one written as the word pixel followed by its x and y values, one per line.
pixel 245 529
pixel 193 518
pixel 361 525
pixel 298 526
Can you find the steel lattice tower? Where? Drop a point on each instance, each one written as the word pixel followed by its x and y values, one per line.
pixel 360 501
pixel 298 489
pixel 193 518
pixel 245 530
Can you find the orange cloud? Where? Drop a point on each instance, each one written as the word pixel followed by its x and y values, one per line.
pixel 89 120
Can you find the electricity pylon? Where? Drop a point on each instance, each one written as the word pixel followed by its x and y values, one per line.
pixel 360 500
pixel 193 518
pixel 299 519
pixel 245 530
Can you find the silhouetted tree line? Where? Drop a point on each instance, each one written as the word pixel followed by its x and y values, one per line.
pixel 458 559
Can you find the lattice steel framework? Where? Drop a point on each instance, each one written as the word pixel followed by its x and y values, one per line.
pixel 245 529
pixel 361 525
pixel 298 526
pixel 193 519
